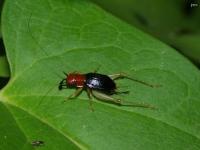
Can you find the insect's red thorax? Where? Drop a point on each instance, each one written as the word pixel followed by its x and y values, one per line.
pixel 75 80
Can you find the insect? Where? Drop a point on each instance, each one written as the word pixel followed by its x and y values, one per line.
pixel 99 86
pixel 37 143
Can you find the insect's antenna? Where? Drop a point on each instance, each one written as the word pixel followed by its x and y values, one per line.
pixel 35 40
pixel 29 29
pixel 65 73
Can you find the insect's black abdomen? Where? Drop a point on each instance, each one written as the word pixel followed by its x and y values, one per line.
pixel 100 82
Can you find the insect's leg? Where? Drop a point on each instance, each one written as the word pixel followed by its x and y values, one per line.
pixel 89 93
pixel 117 76
pixel 123 75
pixel 75 94
pixel 121 92
pixel 104 97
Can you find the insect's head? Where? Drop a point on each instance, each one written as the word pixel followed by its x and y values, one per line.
pixel 72 80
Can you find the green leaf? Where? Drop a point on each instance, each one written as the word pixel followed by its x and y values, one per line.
pixel 45 38
pixel 4 67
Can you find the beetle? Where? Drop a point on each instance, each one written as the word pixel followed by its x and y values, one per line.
pixel 98 85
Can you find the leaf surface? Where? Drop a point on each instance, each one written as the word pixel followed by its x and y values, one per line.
pixel 47 37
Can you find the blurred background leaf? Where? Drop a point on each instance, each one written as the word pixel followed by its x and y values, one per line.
pixel 176 22
pixel 4 67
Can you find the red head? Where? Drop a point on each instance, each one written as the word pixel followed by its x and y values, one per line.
pixel 75 80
